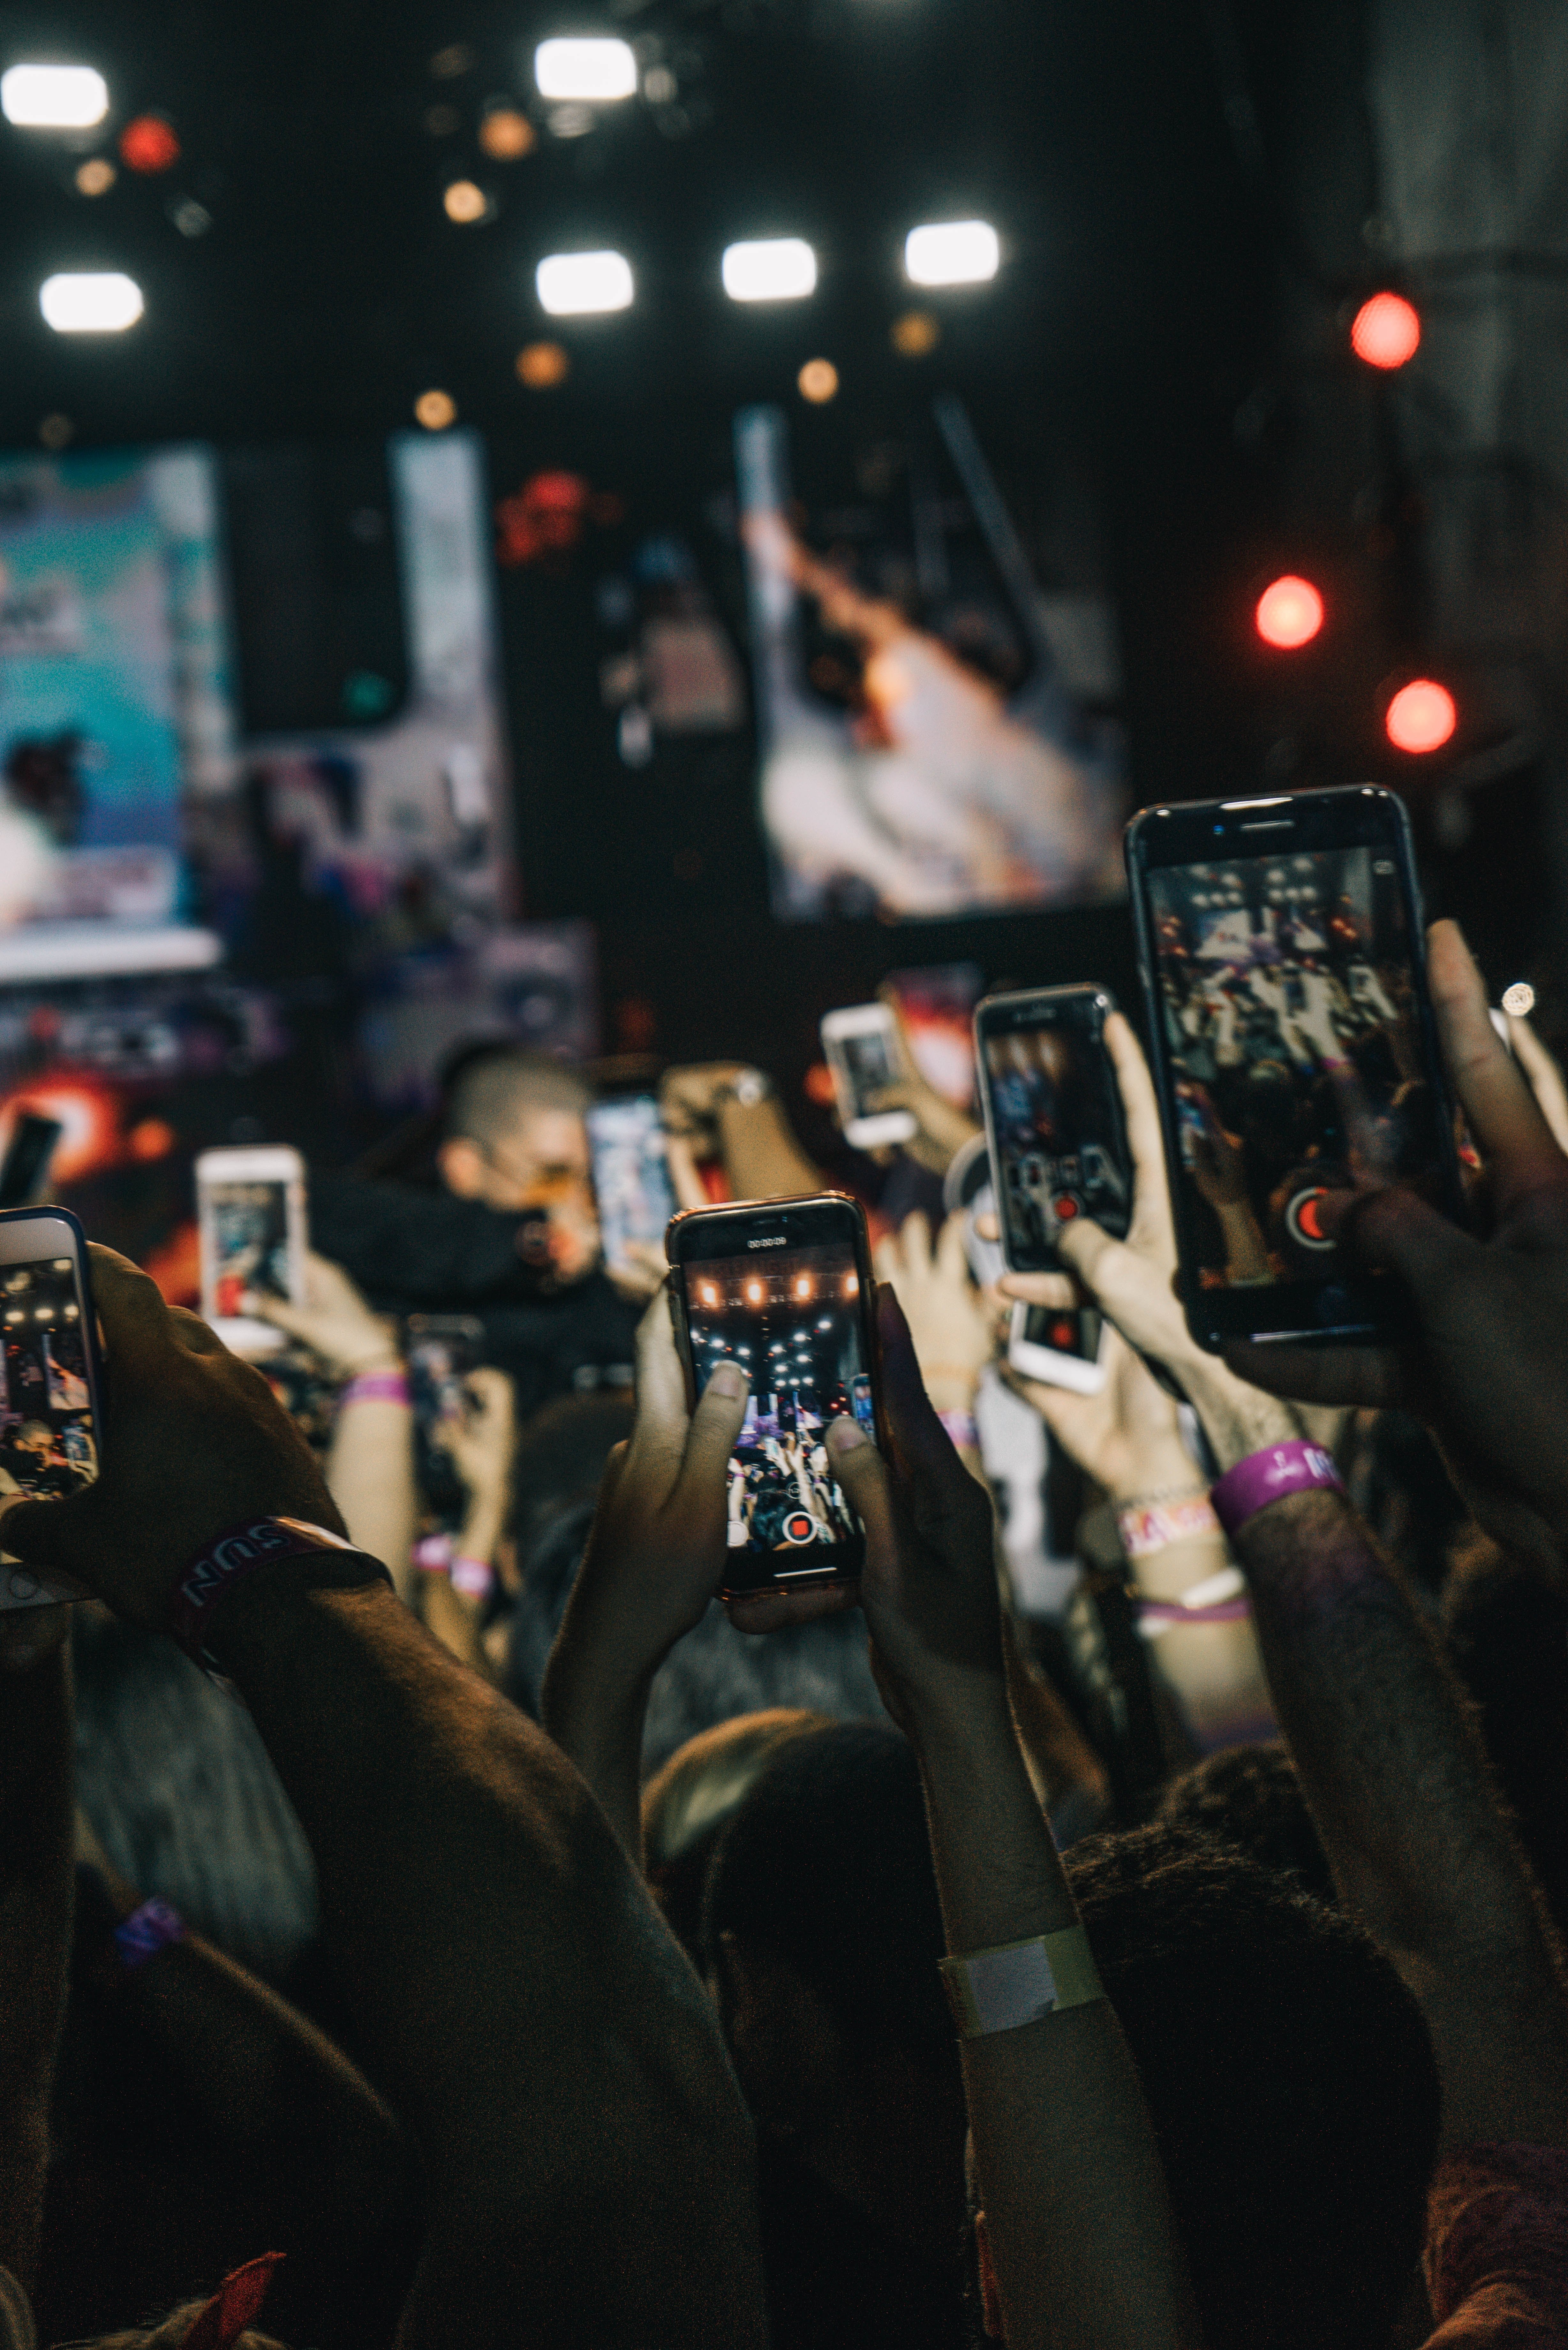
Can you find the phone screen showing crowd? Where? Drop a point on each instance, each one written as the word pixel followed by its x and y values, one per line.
pixel 1296 1053
pixel 794 1320
pixel 47 1444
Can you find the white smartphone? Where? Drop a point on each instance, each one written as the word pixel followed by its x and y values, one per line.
pixel 1062 1347
pixel 861 1045
pixel 51 1410
pixel 631 1175
pixel 250 1212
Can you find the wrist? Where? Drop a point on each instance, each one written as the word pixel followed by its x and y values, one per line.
pixel 264 1619
pixel 960 1715
pixel 1164 1471
pixel 1238 1419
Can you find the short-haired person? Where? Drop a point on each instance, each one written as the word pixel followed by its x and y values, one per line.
pixel 507 1233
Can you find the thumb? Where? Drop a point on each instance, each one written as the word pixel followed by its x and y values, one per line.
pixel 863 1474
pixel 715 1424
pixel 1395 1231
pixel 65 1538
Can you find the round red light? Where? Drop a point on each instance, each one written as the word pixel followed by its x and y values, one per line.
pixel 1386 331
pixel 1421 716
pixel 148 144
pixel 1289 613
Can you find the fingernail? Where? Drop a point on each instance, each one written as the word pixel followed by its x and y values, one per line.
pixel 727 1379
pixel 845 1435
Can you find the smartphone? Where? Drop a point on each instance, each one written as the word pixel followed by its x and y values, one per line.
pixel 1053 1119
pixel 631 1174
pixel 51 1379
pixel 862 1049
pixel 1060 1345
pixel 784 1288
pixel 1283 953
pixel 439 1351
pixel 24 1169
pixel 250 1214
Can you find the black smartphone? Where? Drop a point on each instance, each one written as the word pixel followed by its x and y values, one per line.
pixel 784 1288
pixel 1284 959
pixel 51 1379
pixel 24 1170
pixel 1053 1119
pixel 440 1349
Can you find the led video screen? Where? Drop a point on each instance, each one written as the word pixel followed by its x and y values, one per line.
pixel 922 752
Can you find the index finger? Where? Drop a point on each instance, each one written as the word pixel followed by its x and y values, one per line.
pixel 1503 1115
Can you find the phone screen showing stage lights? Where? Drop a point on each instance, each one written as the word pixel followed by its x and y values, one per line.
pixel 1296 1053
pixel 795 1320
pixel 48 1447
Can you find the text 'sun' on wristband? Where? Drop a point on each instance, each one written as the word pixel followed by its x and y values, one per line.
pixel 1268 1476
pixel 228 1559
pixel 1015 1983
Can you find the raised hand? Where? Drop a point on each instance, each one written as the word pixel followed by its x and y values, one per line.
pixel 334 1321
pixel 948 1324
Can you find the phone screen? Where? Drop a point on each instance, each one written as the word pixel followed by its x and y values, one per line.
pixel 249 1226
pixel 1287 988
pixel 440 1349
pixel 795 1320
pixel 1055 1123
pixel 47 1444
pixel 869 1066
pixel 631 1174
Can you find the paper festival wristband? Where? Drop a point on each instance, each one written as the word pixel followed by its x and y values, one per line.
pixel 375 1386
pixel 231 1558
pixel 147 1931
pixel 1015 1983
pixel 1156 1524
pixel 1268 1476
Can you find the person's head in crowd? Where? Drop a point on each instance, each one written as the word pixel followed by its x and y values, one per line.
pixel 1507 1632
pixel 1290 2081
pixel 823 1935
pixel 1249 1798
pixel 514 1136
pixel 689 1801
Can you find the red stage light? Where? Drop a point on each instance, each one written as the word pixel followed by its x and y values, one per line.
pixel 1386 331
pixel 1421 716
pixel 148 144
pixel 1289 613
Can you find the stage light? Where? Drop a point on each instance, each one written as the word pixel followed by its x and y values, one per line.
pixel 148 145
pixel 1289 613
pixel 572 284
pixel 96 176
pixel 951 253
pixel 1386 331
pixel 755 1293
pixel 804 1289
pixel 465 201
pixel 435 410
pixel 1421 716
pixel 53 97
pixel 541 365
pixel 1519 999
pixel 505 134
pixel 598 71
pixel 774 269
pixel 915 334
pixel 90 302
pixel 818 381
pixel 852 1284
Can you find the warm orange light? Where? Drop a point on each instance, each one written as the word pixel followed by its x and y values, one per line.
pixel 818 381
pixel 436 410
pixel 707 1293
pixel 148 144
pixel 852 1284
pixel 1421 716
pixel 803 1285
pixel 465 201
pixel 1386 331
pixel 915 334
pixel 755 1293
pixel 542 366
pixel 1289 613
pixel 96 176
pixel 505 134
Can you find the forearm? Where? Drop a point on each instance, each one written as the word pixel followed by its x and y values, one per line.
pixel 36 1881
pixel 370 1475
pixel 595 1710
pixel 1075 2198
pixel 537 2028
pixel 762 1158
pixel 455 1616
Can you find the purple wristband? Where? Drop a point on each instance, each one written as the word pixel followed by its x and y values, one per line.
pixel 228 1559
pixel 375 1386
pixel 1268 1476
pixel 147 1931
pixel 960 1428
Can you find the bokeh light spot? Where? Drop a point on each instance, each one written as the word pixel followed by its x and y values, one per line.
pixel 1421 716
pixel 1386 331
pixel 1289 613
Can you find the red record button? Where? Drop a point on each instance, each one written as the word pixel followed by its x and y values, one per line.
pixel 1067 1207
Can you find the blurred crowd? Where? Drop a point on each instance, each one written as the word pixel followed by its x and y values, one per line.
pixel 1130 1914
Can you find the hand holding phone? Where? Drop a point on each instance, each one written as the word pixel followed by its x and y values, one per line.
pixel 51 1406
pixel 862 1048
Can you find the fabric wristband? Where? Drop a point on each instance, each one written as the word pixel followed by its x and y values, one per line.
pixel 1156 1524
pixel 1268 1476
pixel 375 1386
pixel 229 1558
pixel 1015 1983
pixel 960 1427
pixel 147 1931
pixel 472 1577
pixel 432 1554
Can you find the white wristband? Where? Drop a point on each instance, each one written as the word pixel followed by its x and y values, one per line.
pixel 1015 1983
